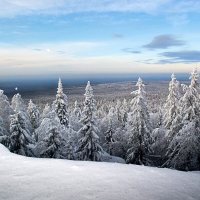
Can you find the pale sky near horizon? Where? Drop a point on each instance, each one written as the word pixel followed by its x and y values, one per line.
pixel 98 36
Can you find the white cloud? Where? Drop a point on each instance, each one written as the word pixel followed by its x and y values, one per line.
pixel 45 59
pixel 9 8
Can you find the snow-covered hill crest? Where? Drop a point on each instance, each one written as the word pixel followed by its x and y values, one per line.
pixel 32 178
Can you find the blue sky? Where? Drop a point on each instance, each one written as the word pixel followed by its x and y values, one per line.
pixel 98 36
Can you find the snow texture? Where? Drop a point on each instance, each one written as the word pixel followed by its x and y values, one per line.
pixel 23 178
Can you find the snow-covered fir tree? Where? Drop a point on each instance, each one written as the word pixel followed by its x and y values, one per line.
pixel 172 103
pixel 75 117
pixel 184 149
pixel 124 112
pixel 71 143
pixel 20 139
pixel 34 114
pixel 61 105
pixel 46 111
pixel 109 133
pixel 77 111
pixel 118 109
pixel 52 136
pixel 50 119
pixel 53 145
pixel 4 138
pixel 5 112
pixel 139 127
pixel 89 147
pixel 18 105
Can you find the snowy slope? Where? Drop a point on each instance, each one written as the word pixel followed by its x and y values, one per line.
pixel 23 178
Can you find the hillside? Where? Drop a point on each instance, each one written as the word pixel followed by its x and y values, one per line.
pixel 23 178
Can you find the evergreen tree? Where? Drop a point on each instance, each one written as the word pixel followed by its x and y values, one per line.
pixel 71 143
pixel 184 148
pixel 118 109
pixel 34 116
pixel 53 145
pixel 89 147
pixel 61 105
pixel 46 111
pixel 75 117
pixel 5 112
pixel 124 112
pixel 171 106
pixel 20 138
pixel 109 133
pixel 19 106
pixel 77 110
pixel 139 128
pixel 4 138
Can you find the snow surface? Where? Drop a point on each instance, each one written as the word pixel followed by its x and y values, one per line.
pixel 23 178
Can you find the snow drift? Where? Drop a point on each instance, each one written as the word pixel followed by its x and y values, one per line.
pixel 23 178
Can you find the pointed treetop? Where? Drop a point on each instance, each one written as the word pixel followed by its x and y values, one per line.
pixel 1 91
pixel 139 82
pixel 30 102
pixel 88 90
pixel 60 87
pixel 139 79
pixel 194 78
pixel 173 76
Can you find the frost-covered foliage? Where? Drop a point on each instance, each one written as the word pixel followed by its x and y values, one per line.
pixel 53 145
pixel 53 138
pixel 139 127
pixel 49 120
pixel 46 112
pixel 4 138
pixel 5 111
pixel 20 139
pixel 77 110
pixel 143 129
pixel 124 112
pixel 34 114
pixel 75 117
pixel 184 148
pixel 159 146
pixel 89 147
pixel 61 105
pixel 172 103
pixel 18 105
pixel 109 140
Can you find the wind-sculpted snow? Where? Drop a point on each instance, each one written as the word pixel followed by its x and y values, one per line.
pixel 23 178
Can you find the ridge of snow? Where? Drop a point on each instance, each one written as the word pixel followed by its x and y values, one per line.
pixel 23 178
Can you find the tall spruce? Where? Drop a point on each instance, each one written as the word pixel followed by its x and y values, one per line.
pixel 5 112
pixel 61 105
pixel 20 138
pixel 53 145
pixel 124 112
pixel 184 149
pixel 172 103
pixel 34 116
pixel 19 106
pixel 139 128
pixel 88 146
pixel 109 132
